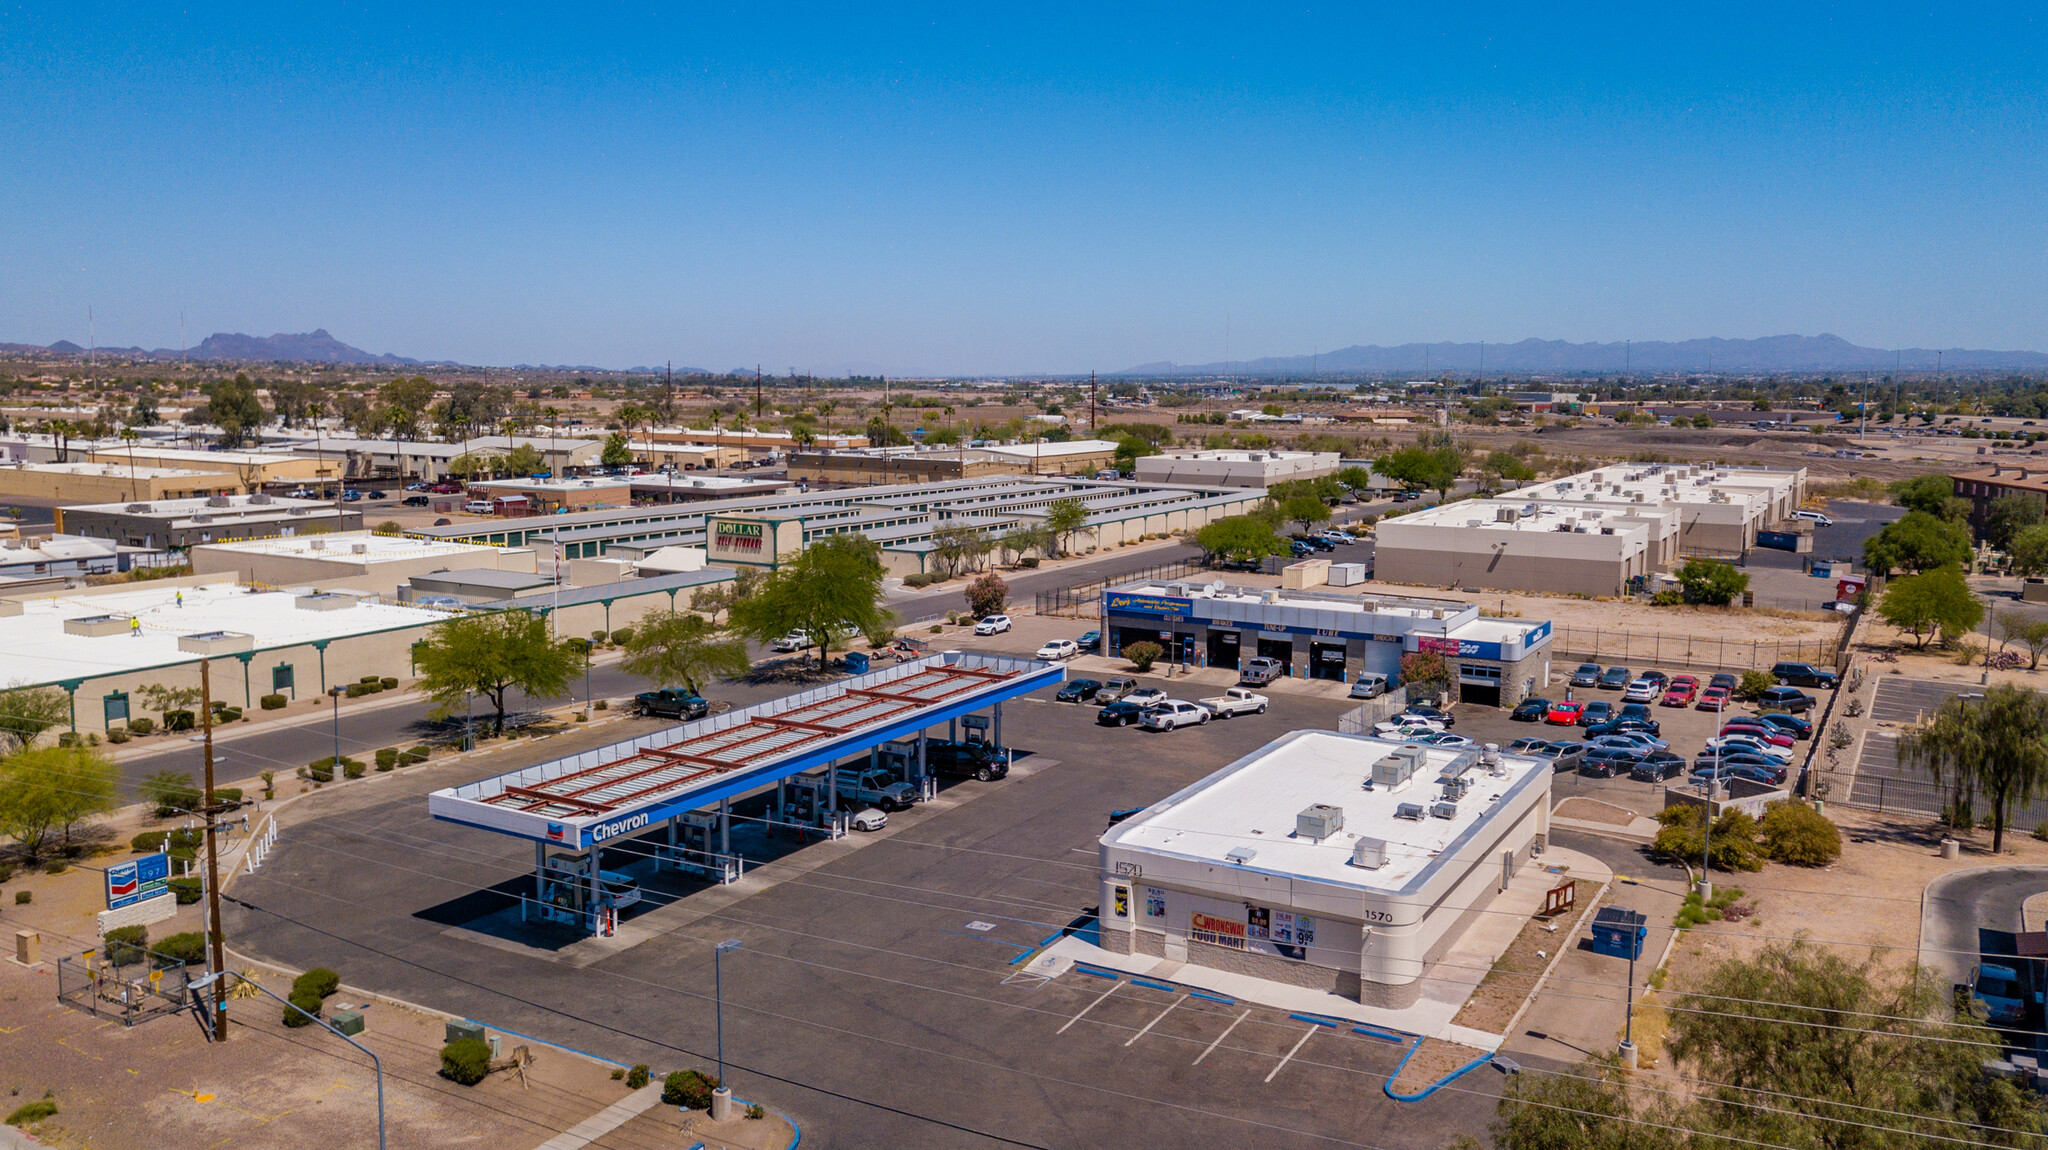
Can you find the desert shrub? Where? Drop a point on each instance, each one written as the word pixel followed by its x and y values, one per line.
pixel 622 636
pixel 306 1001
pixel 180 720
pixel 618 1073
pixel 28 1114
pixel 352 768
pixel 6 872
pixel 387 758
pixel 189 946
pixel 125 944
pixel 228 715
pixel 272 702
pixel 1028 562
pixel 602 705
pixel 318 981
pixel 465 1061
pixel 169 793
pixel 357 690
pixel 1755 683
pixel 117 736
pixel 1143 655
pixel 597 637
pixel 638 1076
pixel 187 890
pixel 1667 599
pixel 368 679
pixel 1796 833
pixel 141 726
pixel 321 770
pixel 388 683
pixel 227 794
pixel 55 867
pixel 70 739
pixel 24 897
pixel 756 1111
pixel 416 755
pixel 917 581
pixel 1734 841
pixel 689 1089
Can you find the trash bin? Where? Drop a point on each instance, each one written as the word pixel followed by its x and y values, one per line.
pixel 1619 931
pixel 856 663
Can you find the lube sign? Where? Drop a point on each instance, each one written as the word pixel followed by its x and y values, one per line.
pixel 603 831
pixel 743 538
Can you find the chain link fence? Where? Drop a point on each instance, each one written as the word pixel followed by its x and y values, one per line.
pixel 134 986
pixel 1598 645
pixel 1084 600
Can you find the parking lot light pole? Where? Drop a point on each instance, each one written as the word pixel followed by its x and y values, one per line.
pixel 1706 885
pixel 335 694
pixel 721 1098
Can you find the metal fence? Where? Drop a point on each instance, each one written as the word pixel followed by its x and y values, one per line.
pixel 1360 720
pixel 1598 645
pixel 144 985
pixel 1083 600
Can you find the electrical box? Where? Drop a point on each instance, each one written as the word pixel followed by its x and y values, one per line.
pixel 458 1028
pixel 1319 822
pixel 349 1022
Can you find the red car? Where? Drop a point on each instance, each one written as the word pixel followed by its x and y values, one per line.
pixel 1760 731
pixel 1681 692
pixel 1565 714
pixel 1713 699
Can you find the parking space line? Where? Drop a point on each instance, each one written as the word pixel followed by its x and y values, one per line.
pixel 1155 1021
pixel 1220 1038
pixel 1089 1007
pixel 1297 1049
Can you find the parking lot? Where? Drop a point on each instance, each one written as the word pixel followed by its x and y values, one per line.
pixel 876 987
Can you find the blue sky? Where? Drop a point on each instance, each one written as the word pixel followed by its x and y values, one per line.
pixel 1038 189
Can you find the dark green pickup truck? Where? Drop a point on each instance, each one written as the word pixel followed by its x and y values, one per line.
pixel 672 703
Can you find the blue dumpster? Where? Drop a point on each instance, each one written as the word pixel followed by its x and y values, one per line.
pixel 856 663
pixel 1619 931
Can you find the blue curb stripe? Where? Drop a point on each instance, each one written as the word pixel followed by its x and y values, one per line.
pixel 1376 1032
pixel 1108 974
pixel 544 1042
pixel 1166 986
pixel 1433 1087
pixel 1213 997
pixel 1330 1022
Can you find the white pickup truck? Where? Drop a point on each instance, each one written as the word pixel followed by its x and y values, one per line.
pixel 1235 701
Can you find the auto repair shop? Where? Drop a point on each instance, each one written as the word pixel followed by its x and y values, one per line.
pixel 1330 635
pixel 1336 862
pixel 668 795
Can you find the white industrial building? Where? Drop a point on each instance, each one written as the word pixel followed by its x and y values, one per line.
pixel 1589 533
pixel 1334 862
pixel 1236 468
pixel 357 560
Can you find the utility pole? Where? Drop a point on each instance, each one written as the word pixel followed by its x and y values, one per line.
pixel 1091 403
pixel 216 947
pixel 757 392
pixel 668 402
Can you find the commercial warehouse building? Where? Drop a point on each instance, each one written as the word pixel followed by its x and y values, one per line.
pixel 176 524
pixel 900 518
pixel 1333 862
pixel 357 560
pixel 943 463
pixel 247 469
pixel 1236 468
pixel 1981 485
pixel 106 482
pixel 1330 635
pixel 1588 533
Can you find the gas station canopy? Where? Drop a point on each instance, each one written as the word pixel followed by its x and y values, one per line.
pixel 582 800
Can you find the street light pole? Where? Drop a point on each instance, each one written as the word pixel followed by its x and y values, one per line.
pixel 335 694
pixel 721 1098
pixel 1706 887
pixel 375 1062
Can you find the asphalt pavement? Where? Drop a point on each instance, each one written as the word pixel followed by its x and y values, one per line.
pixel 1956 904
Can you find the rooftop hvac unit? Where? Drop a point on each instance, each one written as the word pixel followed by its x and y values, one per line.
pixel 260 499
pixel 1607 531
pixel 359 548
pixel 1241 855
pixel 136 508
pixel 319 544
pixel 1409 811
pixel 1506 514
pixel 219 501
pixel 1444 810
pixel 1369 853
pixel 1454 789
pixel 1460 763
pixel 1640 496
pixel 1490 757
pixel 201 517
pixel 1395 768
pixel 1319 821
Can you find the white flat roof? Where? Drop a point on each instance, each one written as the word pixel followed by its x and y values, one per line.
pixel 34 648
pixel 121 470
pixel 1043 450
pixel 154 451
pixel 205 505
pixel 1251 804
pixel 607 483
pixel 705 482
pixel 1412 608
pixel 340 545
pixel 1530 516
pixel 1248 456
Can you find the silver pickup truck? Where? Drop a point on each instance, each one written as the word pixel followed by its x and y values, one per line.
pixel 1236 701
pixel 859 785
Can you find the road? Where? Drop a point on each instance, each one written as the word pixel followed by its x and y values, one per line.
pixel 1956 904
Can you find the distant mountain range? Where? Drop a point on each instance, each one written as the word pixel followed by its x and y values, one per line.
pixel 304 347
pixel 1801 353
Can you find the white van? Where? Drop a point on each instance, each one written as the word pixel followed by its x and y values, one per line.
pixel 478 507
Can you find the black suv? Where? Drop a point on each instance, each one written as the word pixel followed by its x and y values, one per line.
pixel 1803 675
pixel 672 703
pixel 963 759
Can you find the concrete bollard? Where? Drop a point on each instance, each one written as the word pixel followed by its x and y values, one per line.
pixel 1628 1055
pixel 28 947
pixel 1950 848
pixel 721 1104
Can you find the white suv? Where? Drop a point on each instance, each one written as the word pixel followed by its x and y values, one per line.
pixel 1173 713
pixel 992 625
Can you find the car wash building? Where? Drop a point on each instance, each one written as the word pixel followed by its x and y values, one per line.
pixel 1330 635
pixel 1335 862
pixel 608 823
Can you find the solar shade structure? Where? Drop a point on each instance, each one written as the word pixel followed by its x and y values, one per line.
pixel 582 800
